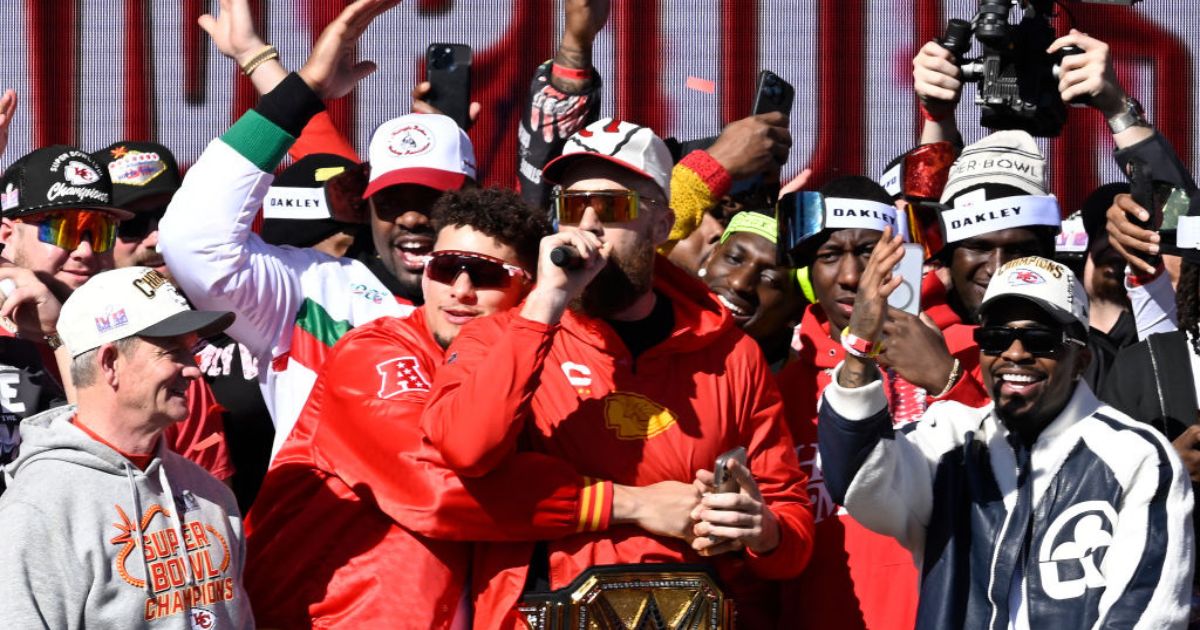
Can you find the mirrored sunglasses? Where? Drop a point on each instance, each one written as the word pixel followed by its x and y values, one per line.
pixel 611 206
pixel 485 272
pixel 68 229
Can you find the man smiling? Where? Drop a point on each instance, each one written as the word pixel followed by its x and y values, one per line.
pixel 762 296
pixel 1046 509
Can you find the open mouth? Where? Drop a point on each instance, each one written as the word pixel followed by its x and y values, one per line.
pixel 740 309
pixel 413 251
pixel 1021 383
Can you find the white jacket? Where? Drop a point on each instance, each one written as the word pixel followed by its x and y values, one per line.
pixel 292 304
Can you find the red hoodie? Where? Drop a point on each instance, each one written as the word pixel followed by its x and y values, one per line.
pixel 856 579
pixel 574 391
pixel 357 521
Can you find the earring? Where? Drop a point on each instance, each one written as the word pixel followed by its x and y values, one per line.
pixel 702 272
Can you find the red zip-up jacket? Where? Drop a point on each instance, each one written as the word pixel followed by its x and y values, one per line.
pixel 857 579
pixel 358 524
pixel 573 391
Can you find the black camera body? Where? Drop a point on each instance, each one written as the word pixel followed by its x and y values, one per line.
pixel 1017 79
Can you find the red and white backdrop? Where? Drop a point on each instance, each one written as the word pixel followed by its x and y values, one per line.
pixel 91 72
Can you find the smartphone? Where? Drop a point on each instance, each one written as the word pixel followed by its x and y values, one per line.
pixel 448 70
pixel 724 481
pixel 773 95
pixel 907 296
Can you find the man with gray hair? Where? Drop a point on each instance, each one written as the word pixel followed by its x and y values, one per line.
pixel 150 537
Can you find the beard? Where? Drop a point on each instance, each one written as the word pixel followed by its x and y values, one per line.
pixel 619 284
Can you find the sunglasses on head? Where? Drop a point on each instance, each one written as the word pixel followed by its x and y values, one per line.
pixel 68 229
pixel 484 271
pixel 1039 342
pixel 611 206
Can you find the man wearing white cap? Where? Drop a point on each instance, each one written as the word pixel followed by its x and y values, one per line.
pixel 1046 508
pixel 151 538
pixel 629 368
pixel 293 304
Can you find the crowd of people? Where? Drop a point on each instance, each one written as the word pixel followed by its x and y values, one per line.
pixel 646 387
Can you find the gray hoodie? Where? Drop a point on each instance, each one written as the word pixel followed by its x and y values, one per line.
pixel 81 528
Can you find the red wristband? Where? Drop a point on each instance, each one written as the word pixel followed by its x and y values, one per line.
pixel 928 116
pixel 570 74
pixel 859 347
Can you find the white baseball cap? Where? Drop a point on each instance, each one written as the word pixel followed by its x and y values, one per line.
pixel 631 146
pixel 131 301
pixel 1048 284
pixel 426 149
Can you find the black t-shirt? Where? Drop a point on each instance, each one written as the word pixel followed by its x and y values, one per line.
pixel 232 373
pixel 27 387
pixel 649 331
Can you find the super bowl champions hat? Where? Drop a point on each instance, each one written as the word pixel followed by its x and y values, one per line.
pixel 143 174
pixel 131 301
pixel 625 144
pixel 1048 284
pixel 58 177
pixel 425 149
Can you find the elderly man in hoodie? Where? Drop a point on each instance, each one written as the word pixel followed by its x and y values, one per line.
pixel 103 526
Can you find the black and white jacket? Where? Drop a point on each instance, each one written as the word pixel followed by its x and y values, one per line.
pixel 1091 529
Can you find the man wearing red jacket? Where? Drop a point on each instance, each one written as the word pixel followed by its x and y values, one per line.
pixel 630 369
pixel 857 578
pixel 354 468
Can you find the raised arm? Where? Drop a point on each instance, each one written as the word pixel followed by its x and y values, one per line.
pixel 564 97
pixel 205 235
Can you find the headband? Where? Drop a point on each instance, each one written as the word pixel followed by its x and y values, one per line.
pixel 960 224
pixel 754 223
pixel 286 202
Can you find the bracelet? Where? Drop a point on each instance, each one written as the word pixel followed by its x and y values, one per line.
pixel 263 56
pixel 955 372
pixel 856 346
pixel 570 74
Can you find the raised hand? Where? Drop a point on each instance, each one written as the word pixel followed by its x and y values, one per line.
pixel 232 30
pixel 916 350
pixel 937 79
pixel 420 104
pixel 1089 76
pixel 332 70
pixel 1127 237
pixel 583 20
pixel 8 107
pixel 28 302
pixel 753 145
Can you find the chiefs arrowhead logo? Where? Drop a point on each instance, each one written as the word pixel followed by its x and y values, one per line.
pixel 635 417
pixel 1025 276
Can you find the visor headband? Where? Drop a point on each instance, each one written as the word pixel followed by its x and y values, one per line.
pixel 295 203
pixel 960 224
pixel 851 214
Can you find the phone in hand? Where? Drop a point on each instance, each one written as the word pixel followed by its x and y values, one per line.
pixel 448 70
pixel 723 480
pixel 1149 195
pixel 907 296
pixel 773 95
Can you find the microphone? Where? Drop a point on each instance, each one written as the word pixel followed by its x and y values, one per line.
pixel 566 257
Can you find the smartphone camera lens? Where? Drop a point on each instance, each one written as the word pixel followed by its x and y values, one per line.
pixel 442 58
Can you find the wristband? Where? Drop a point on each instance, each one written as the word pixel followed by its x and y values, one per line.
pixel 927 115
pixel 856 346
pixel 570 74
pixel 955 372
pixel 263 56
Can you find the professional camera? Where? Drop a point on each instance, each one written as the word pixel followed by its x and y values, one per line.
pixel 1017 78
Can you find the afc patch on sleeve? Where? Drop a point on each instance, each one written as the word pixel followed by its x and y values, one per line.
pixel 401 375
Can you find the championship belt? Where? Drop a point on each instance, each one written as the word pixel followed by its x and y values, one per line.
pixel 629 596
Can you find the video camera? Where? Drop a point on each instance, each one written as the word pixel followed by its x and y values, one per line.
pixel 1017 78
